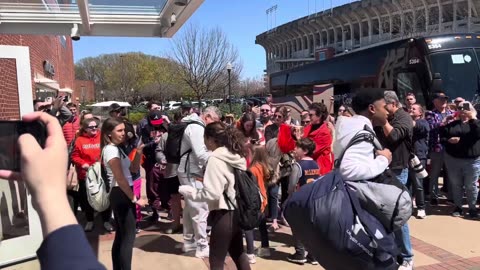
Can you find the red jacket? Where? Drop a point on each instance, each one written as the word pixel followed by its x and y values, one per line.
pixel 70 129
pixel 323 150
pixel 86 151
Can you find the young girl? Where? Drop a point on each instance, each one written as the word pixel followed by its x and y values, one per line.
pixel 263 173
pixel 122 199
pixel 218 184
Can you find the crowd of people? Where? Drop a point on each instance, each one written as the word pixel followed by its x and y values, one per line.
pixel 282 152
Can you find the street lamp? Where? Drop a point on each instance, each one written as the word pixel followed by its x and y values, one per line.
pixel 101 92
pixel 229 70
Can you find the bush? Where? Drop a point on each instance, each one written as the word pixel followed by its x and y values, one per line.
pixel 136 117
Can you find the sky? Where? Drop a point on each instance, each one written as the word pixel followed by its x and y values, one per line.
pixel 241 20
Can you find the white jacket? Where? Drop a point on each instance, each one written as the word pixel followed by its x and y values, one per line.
pixel 219 177
pixel 193 139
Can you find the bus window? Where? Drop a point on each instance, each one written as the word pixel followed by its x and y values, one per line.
pixel 459 72
pixel 408 82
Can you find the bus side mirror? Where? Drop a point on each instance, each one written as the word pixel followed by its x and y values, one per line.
pixel 436 84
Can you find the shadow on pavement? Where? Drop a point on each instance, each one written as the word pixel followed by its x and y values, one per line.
pixel 159 243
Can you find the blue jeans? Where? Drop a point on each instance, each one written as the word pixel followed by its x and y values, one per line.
pixel 463 172
pixel 402 236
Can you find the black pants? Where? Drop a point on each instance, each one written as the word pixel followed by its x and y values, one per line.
pixel 124 213
pixel 80 197
pixel 249 236
pixel 226 236
pixel 416 187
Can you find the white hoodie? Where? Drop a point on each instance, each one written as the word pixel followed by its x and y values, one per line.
pixel 193 140
pixel 218 178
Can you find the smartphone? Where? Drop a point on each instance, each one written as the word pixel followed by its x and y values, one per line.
pixel 466 106
pixel 9 133
pixel 65 99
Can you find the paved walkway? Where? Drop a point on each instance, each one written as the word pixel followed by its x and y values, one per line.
pixel 440 242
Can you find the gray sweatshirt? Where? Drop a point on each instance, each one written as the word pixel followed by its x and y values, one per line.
pixel 193 140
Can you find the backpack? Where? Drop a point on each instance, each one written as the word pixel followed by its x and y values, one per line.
pixel 173 146
pixel 98 186
pixel 248 198
pixel 327 218
pixel 384 197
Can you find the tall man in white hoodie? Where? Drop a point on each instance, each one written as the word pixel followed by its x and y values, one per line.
pixel 189 170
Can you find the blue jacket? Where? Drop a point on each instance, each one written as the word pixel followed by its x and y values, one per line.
pixel 67 248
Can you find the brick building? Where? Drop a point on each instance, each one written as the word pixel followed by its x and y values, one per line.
pixel 51 66
pixel 84 91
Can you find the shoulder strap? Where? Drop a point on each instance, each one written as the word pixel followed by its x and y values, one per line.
pixel 364 135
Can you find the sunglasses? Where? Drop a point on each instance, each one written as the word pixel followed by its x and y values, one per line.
pixel 264 110
pixel 92 127
pixel 278 116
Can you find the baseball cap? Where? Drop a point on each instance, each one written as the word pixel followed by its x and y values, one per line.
pixel 439 95
pixel 155 118
pixel 186 105
pixel 114 107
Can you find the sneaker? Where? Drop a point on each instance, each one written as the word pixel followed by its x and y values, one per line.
pixel 202 252
pixel 137 229
pixel 174 230
pixel 263 252
pixel 108 227
pixel 311 259
pixel 406 265
pixel 297 258
pixel 89 226
pixel 473 214
pixel 251 258
pixel 457 212
pixel 189 247
pixel 421 214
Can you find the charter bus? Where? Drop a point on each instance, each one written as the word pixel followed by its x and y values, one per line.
pixel 448 62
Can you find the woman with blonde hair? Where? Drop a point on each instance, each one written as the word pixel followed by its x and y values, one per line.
pixel 86 151
pixel 462 146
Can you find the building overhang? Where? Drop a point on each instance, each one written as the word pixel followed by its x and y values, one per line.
pixel 43 82
pixel 140 18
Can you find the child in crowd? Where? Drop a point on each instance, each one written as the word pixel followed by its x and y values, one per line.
pixel 309 173
pixel 264 175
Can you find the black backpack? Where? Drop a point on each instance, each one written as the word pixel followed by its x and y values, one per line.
pixel 248 198
pixel 173 146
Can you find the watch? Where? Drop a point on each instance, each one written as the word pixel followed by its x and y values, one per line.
pixel 134 199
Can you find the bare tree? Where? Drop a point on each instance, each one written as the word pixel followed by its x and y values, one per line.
pixel 202 55
pixel 251 87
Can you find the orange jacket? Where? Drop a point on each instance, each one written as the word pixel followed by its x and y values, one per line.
pixel 70 129
pixel 86 151
pixel 323 150
pixel 257 170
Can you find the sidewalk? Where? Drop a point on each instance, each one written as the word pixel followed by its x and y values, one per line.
pixel 440 242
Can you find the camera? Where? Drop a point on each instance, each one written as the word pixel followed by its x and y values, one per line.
pixel 173 19
pixel 75 33
pixel 417 167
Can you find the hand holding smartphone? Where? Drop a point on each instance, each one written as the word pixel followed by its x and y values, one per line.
pixel 10 131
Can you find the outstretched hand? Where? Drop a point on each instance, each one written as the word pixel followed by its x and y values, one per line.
pixel 43 170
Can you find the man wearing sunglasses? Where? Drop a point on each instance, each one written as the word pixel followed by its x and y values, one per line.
pixel 266 115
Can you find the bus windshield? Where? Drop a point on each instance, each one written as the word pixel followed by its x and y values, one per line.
pixel 459 72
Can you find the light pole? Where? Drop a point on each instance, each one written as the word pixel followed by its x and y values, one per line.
pixel 101 92
pixel 229 70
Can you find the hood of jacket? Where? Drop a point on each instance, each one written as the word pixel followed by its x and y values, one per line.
pixel 233 160
pixel 193 118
